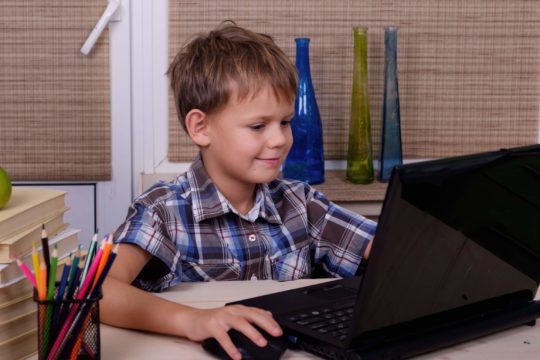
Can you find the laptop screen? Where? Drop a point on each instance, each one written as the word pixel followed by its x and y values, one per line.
pixel 454 232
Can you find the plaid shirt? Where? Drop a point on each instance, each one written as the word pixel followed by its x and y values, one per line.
pixel 195 234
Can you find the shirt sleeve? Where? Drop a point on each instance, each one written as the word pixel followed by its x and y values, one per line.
pixel 144 227
pixel 340 235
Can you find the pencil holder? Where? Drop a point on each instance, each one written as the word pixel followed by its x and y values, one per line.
pixel 68 329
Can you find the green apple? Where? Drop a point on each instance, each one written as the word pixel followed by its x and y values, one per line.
pixel 5 188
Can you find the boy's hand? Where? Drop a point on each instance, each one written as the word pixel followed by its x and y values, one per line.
pixel 217 322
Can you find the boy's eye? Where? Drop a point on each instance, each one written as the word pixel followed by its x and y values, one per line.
pixel 286 122
pixel 257 126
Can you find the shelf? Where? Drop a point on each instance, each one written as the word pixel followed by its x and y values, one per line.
pixel 337 189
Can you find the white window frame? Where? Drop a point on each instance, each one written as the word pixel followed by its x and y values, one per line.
pixel 113 197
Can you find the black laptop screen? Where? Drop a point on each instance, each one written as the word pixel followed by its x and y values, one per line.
pixel 454 232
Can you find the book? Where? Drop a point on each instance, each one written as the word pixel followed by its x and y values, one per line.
pixel 17 307
pixel 18 325
pixel 25 303
pixel 66 241
pixel 17 290
pixel 29 206
pixel 21 242
pixel 21 346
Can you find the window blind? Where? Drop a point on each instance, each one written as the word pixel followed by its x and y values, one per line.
pixel 54 101
pixel 469 71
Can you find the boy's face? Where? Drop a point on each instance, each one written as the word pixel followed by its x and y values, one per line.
pixel 249 140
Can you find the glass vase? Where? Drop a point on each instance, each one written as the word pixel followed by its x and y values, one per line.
pixel 391 151
pixel 359 153
pixel 305 161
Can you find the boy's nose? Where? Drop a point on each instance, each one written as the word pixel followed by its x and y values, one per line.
pixel 278 137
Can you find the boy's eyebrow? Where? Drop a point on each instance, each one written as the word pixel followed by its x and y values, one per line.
pixel 271 117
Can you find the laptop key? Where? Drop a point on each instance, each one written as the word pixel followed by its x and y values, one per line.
pixel 308 321
pixel 317 325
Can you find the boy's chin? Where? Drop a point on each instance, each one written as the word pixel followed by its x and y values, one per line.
pixel 266 178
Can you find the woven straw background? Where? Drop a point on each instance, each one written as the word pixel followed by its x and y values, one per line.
pixel 469 71
pixel 54 101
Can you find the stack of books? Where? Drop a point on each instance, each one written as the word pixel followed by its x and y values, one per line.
pixel 29 212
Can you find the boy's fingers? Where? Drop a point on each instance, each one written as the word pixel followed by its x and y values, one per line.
pixel 226 343
pixel 252 334
pixel 266 322
pixel 263 319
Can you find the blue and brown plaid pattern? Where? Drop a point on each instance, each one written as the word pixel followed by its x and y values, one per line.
pixel 194 234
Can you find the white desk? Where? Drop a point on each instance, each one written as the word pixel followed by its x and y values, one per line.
pixel 521 343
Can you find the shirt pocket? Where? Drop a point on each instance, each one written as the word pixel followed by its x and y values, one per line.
pixel 215 262
pixel 293 265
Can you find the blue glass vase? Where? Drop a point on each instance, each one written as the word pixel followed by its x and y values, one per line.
pixel 391 152
pixel 305 161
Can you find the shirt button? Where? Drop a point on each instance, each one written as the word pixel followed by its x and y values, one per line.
pixel 252 237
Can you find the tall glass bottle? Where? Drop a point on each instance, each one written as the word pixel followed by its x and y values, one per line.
pixel 391 152
pixel 306 159
pixel 359 153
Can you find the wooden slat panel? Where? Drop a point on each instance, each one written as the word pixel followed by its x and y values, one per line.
pixel 54 101
pixel 469 71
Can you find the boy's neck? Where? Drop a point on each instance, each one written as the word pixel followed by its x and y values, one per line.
pixel 240 195
pixel 241 198
pixel 243 207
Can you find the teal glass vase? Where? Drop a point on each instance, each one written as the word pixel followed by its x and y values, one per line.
pixel 391 151
pixel 359 152
pixel 305 160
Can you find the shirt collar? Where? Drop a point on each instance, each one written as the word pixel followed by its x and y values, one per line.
pixel 208 202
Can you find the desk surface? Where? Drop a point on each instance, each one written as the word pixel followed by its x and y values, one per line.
pixel 522 342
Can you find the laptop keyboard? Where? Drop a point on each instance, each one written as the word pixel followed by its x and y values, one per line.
pixel 333 320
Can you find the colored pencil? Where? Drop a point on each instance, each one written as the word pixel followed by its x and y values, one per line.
pixel 93 295
pixel 74 274
pixel 63 322
pixel 42 294
pixel 42 286
pixel 106 251
pixel 45 248
pixel 52 273
pixel 50 297
pixel 63 280
pixel 26 271
pixel 35 261
pixel 71 286
pixel 90 255
pixel 58 304
pixel 74 309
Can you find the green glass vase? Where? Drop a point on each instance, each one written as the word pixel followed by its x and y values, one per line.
pixel 359 152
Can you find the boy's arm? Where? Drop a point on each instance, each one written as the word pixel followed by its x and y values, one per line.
pixel 126 306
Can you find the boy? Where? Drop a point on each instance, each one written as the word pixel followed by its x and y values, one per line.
pixel 228 217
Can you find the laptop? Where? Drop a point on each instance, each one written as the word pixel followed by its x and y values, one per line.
pixel 456 256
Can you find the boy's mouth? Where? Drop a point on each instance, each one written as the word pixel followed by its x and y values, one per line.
pixel 273 162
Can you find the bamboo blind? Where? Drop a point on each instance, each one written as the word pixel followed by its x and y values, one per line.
pixel 54 102
pixel 469 71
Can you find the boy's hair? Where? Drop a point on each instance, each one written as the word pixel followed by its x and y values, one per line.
pixel 228 60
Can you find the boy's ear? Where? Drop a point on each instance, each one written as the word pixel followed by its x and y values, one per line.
pixel 197 127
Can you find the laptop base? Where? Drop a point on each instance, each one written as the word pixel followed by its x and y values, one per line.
pixel 408 345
